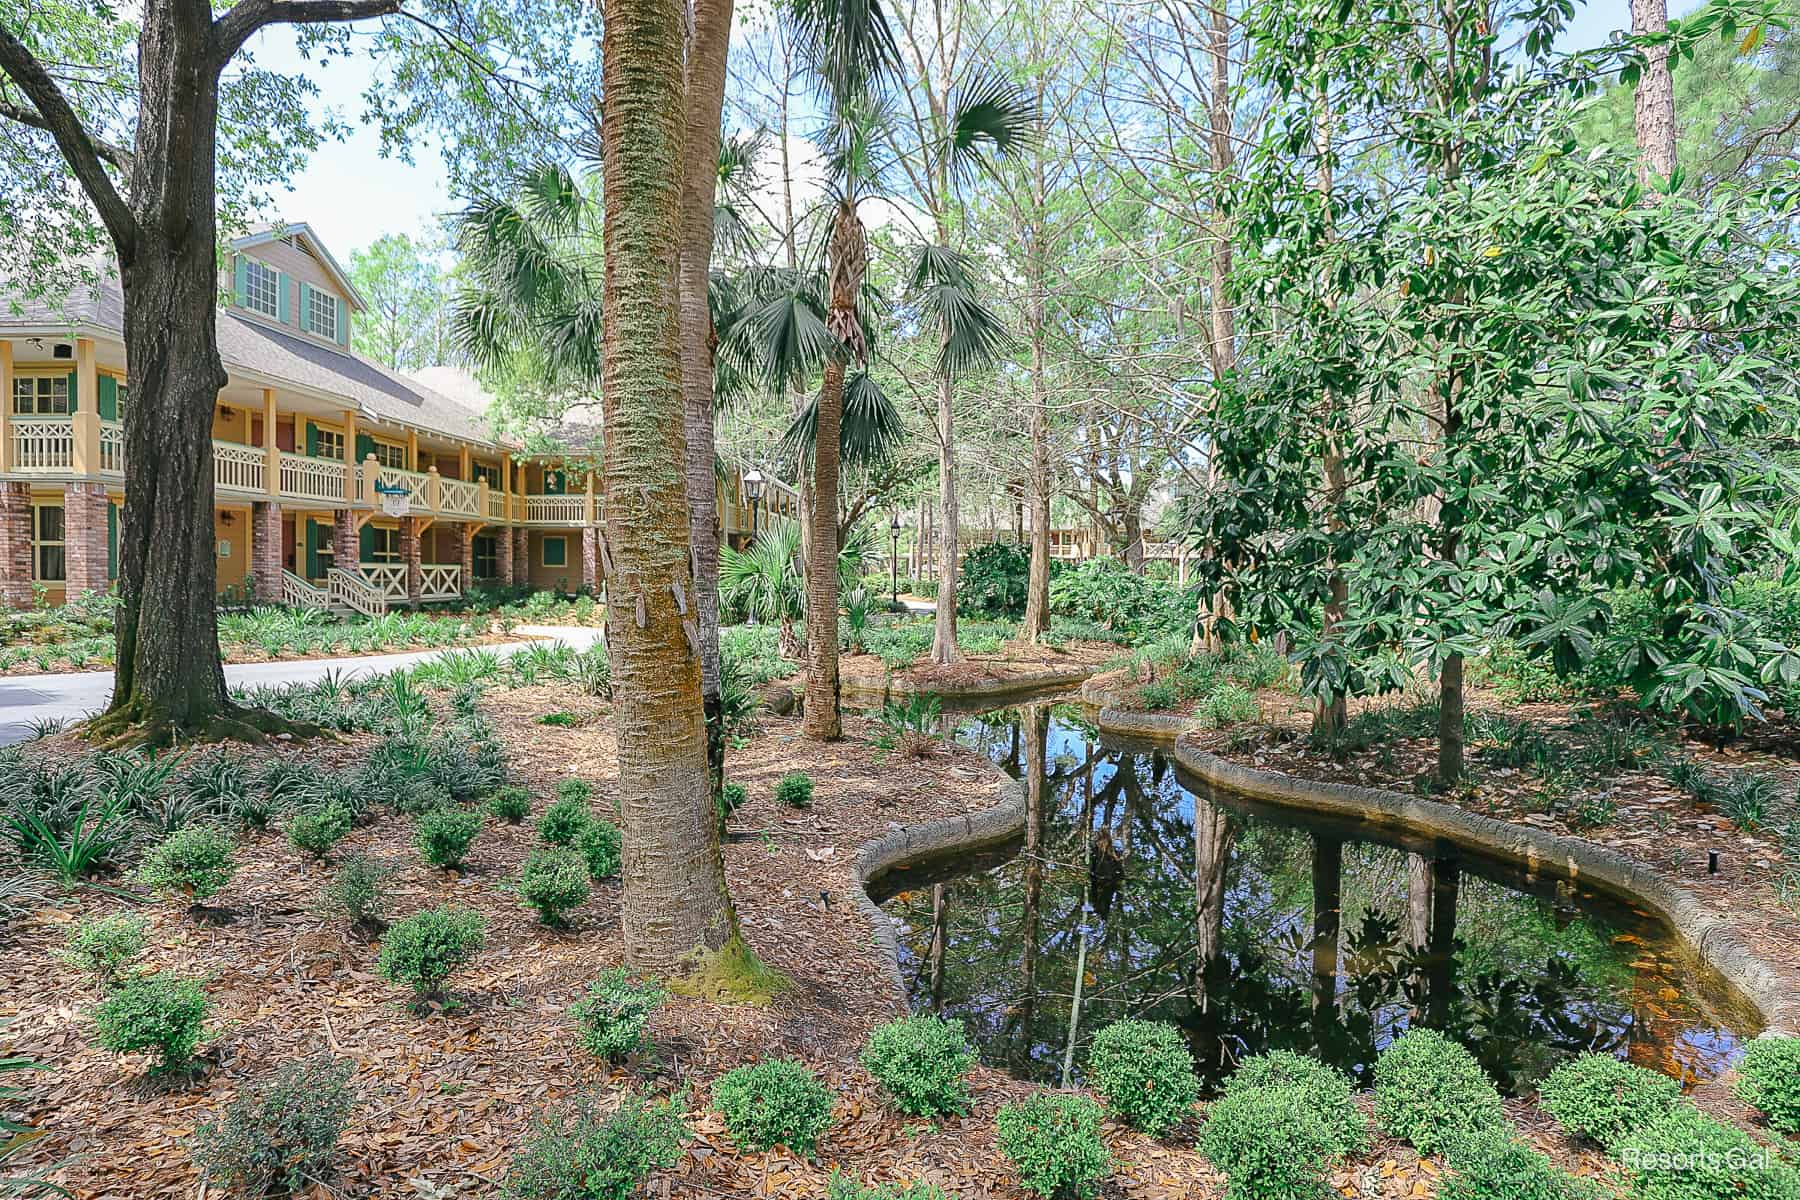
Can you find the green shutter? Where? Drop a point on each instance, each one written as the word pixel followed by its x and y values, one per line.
pixel 556 552
pixel 109 398
pixel 313 544
pixel 305 306
pixel 74 392
pixel 343 320
pixel 365 543
pixel 312 440
pixel 242 280
pixel 112 540
pixel 283 309
pixel 365 446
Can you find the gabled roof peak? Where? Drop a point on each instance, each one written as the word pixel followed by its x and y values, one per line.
pixel 301 235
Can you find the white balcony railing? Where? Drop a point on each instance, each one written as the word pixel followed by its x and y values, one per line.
pixel 413 481
pixel 313 478
pixel 239 468
pixel 112 448
pixel 44 444
pixel 459 498
pixel 496 502
pixel 556 510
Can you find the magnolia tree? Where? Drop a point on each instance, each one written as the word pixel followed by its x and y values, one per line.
pixel 1534 377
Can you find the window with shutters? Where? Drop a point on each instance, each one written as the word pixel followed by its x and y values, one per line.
pixel 487 557
pixel 322 313
pixel 384 545
pixel 41 395
pixel 47 564
pixel 261 285
pixel 390 455
pixel 328 443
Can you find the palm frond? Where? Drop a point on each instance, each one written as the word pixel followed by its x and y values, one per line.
pixel 846 45
pixel 970 334
pixel 786 337
pixel 989 113
pixel 871 429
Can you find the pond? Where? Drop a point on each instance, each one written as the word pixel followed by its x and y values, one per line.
pixel 1135 891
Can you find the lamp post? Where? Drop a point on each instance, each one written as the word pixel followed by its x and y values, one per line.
pixel 753 490
pixel 894 555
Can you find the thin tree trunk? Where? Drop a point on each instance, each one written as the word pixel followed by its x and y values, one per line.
pixel 820 717
pixel 1037 586
pixel 1333 711
pixel 943 641
pixel 700 173
pixel 675 912
pixel 1654 101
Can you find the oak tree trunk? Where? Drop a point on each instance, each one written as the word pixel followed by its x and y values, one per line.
pixel 675 912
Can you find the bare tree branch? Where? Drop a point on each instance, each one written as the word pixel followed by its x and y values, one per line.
pixel 233 29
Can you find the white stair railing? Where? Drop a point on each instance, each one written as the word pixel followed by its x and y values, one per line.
pixel 349 589
pixel 298 593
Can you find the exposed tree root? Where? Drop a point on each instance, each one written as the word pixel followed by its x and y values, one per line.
pixel 140 723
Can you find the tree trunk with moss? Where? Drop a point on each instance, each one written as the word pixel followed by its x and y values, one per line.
pixel 676 913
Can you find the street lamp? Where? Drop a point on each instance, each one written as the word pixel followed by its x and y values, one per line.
pixel 753 490
pixel 894 553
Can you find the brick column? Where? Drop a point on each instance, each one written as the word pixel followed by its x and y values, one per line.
pixel 590 559
pixel 521 555
pixel 265 551
pixel 84 531
pixel 466 541
pixel 15 543
pixel 503 567
pixel 409 554
pixel 346 547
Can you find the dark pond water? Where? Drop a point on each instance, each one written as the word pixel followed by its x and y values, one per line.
pixel 1136 892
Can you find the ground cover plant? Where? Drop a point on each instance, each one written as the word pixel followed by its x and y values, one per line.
pixel 281 1131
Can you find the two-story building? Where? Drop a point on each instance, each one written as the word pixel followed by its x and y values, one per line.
pixel 337 482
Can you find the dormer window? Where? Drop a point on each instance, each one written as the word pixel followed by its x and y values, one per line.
pixel 322 314
pixel 262 288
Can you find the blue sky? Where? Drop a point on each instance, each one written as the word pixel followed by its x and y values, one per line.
pixel 352 195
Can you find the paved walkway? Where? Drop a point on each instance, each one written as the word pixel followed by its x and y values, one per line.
pixel 25 699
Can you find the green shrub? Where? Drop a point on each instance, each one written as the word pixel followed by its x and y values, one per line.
pixel 613 1015
pixel 776 1102
pixel 732 797
pixel 1053 1142
pixel 162 1012
pixel 795 790
pixel 579 1151
pixel 1328 1091
pixel 443 836
pixel 511 804
pixel 318 828
pixel 1686 1155
pixel 1228 705
pixel 1427 1088
pixel 599 845
pixel 553 881
pixel 422 950
pixel 1494 1164
pixel 105 946
pixel 564 820
pixel 921 1062
pixel 194 862
pixel 1143 1070
pixel 1158 695
pixel 1769 1080
pixel 1270 1142
pixel 994 579
pixel 359 892
pixel 281 1131
pixel 578 790
pixel 843 1187
pixel 1602 1099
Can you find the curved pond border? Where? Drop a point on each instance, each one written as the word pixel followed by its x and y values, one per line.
pixel 1775 993
pixel 1033 680
pixel 969 832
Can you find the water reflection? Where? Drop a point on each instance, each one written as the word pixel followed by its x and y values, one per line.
pixel 1133 892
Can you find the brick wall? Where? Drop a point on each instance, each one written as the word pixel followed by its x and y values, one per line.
pixel 265 551
pixel 521 555
pixel 15 545
pixel 84 532
pixel 503 560
pixel 346 549
pixel 590 556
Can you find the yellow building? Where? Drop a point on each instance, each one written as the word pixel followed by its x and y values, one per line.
pixel 337 483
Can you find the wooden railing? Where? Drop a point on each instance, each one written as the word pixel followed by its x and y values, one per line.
pixel 556 510
pixel 458 497
pixel 298 593
pixel 351 590
pixel 496 503
pixel 387 579
pixel 440 581
pixel 307 478
pixel 112 448
pixel 239 468
pixel 413 481
pixel 42 443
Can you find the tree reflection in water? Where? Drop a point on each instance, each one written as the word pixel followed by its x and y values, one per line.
pixel 1254 929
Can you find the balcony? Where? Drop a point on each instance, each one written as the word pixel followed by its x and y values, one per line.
pixel 559 510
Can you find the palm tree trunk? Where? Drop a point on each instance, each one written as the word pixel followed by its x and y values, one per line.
pixel 943 641
pixel 705 102
pixel 821 713
pixel 675 911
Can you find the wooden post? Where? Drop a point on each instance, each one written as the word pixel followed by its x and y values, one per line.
pixel 432 499
pixel 463 468
pixel 588 511
pixel 506 482
pixel 87 410
pixel 371 469
pixel 6 404
pixel 412 450
pixel 270 449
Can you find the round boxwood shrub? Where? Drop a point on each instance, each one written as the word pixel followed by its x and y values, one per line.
pixel 612 1016
pixel 600 845
pixel 1599 1098
pixel 1053 1142
pixel 553 881
pixel 1270 1142
pixel 105 946
pixel 194 862
pixel 162 1012
pixel 564 820
pixel 511 804
pixel 1428 1089
pixel 443 835
pixel 1769 1080
pixel 1143 1070
pixel 580 1151
pixel 1327 1090
pixel 921 1062
pixel 1686 1155
pixel 316 829
pixel 795 790
pixel 1493 1164
pixel 281 1132
pixel 773 1103
pixel 422 950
